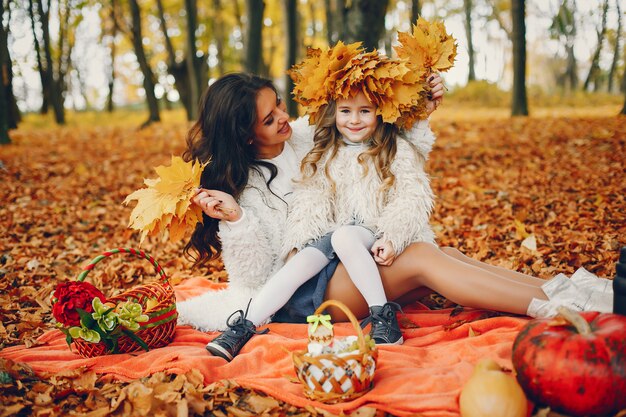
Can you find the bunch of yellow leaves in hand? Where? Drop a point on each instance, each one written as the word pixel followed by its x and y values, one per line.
pixel 429 47
pixel 166 202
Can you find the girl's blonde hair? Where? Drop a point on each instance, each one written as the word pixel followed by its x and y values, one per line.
pixel 382 148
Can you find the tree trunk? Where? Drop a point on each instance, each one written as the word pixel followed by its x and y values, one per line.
pixel 148 77
pixel 571 72
pixel 313 25
pixel 54 91
pixel 190 58
pixel 254 36
pixel 43 72
pixel 624 87
pixel 111 80
pixel 592 76
pixel 178 70
pixel 5 63
pixel 616 51
pixel 64 48
pixel 291 20
pixel 519 102
pixel 365 22
pixel 467 6
pixel 416 11
pixel 219 38
pixel 330 29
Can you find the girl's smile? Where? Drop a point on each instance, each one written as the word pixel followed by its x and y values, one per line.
pixel 356 118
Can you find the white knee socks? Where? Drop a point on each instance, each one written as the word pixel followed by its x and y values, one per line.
pixel 352 245
pixel 278 289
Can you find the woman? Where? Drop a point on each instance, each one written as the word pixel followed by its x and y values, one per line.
pixel 254 151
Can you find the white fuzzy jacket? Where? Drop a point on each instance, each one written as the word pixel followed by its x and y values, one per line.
pixel 400 215
pixel 252 246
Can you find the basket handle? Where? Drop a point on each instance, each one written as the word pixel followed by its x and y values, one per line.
pixel 137 253
pixel 353 320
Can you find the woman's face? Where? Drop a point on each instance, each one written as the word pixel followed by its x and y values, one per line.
pixel 272 127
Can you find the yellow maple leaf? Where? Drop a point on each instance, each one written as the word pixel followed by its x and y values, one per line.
pixel 165 203
pixel 428 47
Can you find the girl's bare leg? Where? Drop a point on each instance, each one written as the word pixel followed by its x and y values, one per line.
pixel 423 264
pixel 514 275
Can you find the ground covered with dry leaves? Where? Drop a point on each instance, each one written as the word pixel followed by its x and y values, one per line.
pixel 540 195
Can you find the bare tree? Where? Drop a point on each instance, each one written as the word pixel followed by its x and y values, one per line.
pixel 218 31
pixel 416 10
pixel 112 31
pixel 364 21
pixel 254 36
pixel 330 21
pixel 467 7
pixel 190 53
pixel 616 50
pixel 5 63
pixel 624 87
pixel 148 76
pixel 52 79
pixel 44 72
pixel 594 70
pixel 519 102
pixel 291 22
pixel 564 27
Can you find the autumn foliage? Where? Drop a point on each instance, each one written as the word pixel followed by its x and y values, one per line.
pixel 537 195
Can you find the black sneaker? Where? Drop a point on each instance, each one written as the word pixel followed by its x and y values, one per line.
pixel 228 344
pixel 385 328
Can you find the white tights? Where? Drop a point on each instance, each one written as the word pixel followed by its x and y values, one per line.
pixel 351 244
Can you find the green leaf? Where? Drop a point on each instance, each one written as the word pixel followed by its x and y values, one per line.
pixel 5 378
pixel 86 319
pixel 137 339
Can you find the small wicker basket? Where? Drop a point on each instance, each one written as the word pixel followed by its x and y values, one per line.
pixel 158 331
pixel 331 378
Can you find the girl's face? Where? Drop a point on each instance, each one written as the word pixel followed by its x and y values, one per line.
pixel 272 127
pixel 356 118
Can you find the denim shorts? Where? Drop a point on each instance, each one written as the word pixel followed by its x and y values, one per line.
pixel 308 297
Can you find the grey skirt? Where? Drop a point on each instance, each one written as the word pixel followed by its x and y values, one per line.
pixel 307 298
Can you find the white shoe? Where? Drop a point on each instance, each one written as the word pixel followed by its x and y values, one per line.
pixel 595 301
pixel 599 301
pixel 583 292
pixel 562 288
pixel 541 309
pixel 590 282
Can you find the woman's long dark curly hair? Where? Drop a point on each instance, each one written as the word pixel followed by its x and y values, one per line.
pixel 222 136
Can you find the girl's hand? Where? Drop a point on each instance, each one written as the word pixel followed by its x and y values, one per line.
pixel 436 93
pixel 217 204
pixel 383 252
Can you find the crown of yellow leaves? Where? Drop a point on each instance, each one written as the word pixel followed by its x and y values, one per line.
pixel 398 87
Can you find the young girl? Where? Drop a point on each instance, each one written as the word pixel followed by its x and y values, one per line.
pixel 363 189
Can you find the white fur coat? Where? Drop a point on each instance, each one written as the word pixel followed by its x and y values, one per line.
pixel 251 247
pixel 400 215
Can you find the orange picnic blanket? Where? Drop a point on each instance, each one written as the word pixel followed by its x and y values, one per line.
pixel 422 376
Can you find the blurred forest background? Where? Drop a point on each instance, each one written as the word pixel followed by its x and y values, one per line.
pixel 61 56
pixel 542 195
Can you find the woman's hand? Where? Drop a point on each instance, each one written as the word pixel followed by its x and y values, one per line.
pixel 436 93
pixel 383 252
pixel 218 205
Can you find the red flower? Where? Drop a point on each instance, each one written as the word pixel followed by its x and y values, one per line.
pixel 70 296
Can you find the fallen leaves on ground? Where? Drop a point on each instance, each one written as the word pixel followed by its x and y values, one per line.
pixel 537 195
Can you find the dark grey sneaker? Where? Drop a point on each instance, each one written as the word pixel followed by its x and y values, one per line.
pixel 228 344
pixel 385 328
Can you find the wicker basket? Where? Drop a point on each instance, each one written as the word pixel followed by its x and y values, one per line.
pixel 331 378
pixel 158 331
